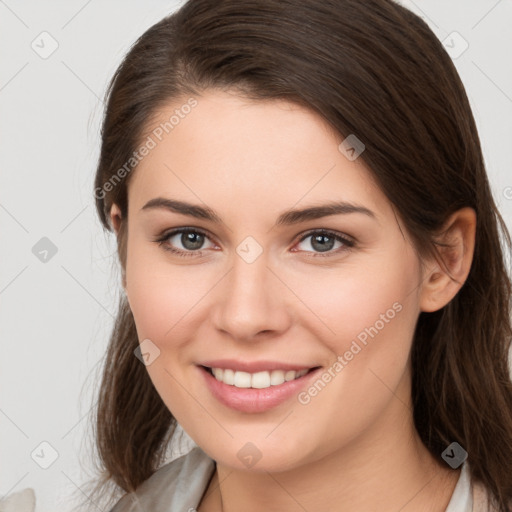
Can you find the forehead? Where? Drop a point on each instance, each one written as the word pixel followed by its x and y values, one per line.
pixel 271 152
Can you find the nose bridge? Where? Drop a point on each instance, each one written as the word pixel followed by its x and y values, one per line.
pixel 250 302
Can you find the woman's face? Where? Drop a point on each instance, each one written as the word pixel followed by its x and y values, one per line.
pixel 259 287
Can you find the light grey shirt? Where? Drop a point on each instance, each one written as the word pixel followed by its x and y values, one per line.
pixel 179 485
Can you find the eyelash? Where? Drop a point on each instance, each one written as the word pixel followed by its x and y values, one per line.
pixel 163 239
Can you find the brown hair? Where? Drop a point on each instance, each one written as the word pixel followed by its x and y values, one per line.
pixel 373 69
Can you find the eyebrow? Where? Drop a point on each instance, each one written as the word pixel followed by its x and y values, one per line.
pixel 289 217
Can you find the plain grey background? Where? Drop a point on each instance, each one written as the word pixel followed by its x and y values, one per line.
pixel 57 307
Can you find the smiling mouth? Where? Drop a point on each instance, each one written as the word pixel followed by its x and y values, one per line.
pixel 257 380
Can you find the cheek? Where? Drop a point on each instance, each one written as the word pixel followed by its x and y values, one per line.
pixel 362 301
pixel 163 296
pixel 368 314
pixel 373 315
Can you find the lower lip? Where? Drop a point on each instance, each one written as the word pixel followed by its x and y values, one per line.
pixel 255 400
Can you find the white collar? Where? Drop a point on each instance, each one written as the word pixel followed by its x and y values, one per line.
pixel 461 500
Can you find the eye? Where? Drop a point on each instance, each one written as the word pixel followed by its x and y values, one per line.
pixel 324 240
pixel 191 239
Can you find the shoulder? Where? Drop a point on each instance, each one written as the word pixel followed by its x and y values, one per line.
pixel 178 485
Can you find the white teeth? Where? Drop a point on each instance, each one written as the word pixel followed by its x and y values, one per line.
pixel 289 375
pixel 228 377
pixel 242 380
pixel 277 377
pixel 258 380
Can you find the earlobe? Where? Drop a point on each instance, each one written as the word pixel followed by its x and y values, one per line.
pixel 455 246
pixel 115 217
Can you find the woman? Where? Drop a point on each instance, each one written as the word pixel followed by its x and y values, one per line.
pixel 315 288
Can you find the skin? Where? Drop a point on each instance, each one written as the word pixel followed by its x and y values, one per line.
pixel 354 443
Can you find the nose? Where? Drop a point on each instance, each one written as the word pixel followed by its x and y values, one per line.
pixel 252 301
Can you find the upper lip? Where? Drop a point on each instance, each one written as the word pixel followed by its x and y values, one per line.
pixel 254 366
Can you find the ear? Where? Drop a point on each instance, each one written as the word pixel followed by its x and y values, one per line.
pixel 115 217
pixel 457 244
